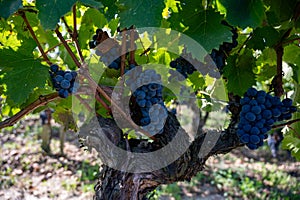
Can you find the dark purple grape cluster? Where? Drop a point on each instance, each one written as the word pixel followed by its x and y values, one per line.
pixel 93 43
pixel 182 66
pixel 63 81
pixel 259 112
pixel 185 63
pixel 219 56
pixel 148 106
pixel 110 58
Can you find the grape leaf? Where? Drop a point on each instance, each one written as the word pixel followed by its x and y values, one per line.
pixel 204 26
pixel 50 11
pixel 263 37
pixel 8 7
pixel 22 73
pixel 244 13
pixel 266 64
pixel 141 13
pixel 292 54
pixel 110 8
pixel 239 72
pixel 92 3
pixel 280 10
pixel 292 143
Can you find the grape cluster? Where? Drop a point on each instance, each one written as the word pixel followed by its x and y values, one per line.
pixel 182 66
pixel 96 39
pixel 259 112
pixel 147 106
pixel 110 58
pixel 63 81
pixel 219 56
pixel 185 63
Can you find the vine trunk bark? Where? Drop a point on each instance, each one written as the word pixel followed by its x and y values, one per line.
pixel 127 182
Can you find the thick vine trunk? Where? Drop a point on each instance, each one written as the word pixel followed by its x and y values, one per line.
pixel 119 184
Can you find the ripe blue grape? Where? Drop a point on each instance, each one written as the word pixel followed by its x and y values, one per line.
pixel 63 93
pixel 254 130
pixel 250 116
pixel 251 92
pixel 68 76
pixel 245 138
pixel 65 84
pixel 267 114
pixel 58 79
pixel 255 139
pixel 54 68
pixel 256 109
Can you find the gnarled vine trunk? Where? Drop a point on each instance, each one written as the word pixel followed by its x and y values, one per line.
pixel 119 184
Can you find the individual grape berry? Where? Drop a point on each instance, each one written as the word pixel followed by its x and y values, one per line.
pixel 250 116
pixel 65 84
pixel 254 130
pixel 251 92
pixel 58 79
pixel 252 146
pixel 245 138
pixel 54 68
pixel 63 93
pixel 68 76
pixel 240 132
pixel 255 139
pixel 256 110
pixel 287 102
pixel 267 114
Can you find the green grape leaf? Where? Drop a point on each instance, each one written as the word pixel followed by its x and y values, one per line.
pixel 204 26
pixel 239 72
pixel 244 13
pixel 292 143
pixel 50 11
pixel 197 80
pixel 266 72
pixel 292 54
pixel 141 13
pixel 22 73
pixel 263 37
pixel 92 3
pixel 279 10
pixel 296 72
pixel 110 8
pixel 8 7
pixel 266 64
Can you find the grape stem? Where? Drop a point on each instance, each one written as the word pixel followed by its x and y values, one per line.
pixel 52 48
pixel 132 50
pixel 59 35
pixel 23 15
pixel 75 35
pixel 41 101
pixel 123 53
pixel 84 103
pixel 286 124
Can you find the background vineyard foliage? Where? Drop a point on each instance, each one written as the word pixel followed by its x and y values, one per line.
pixel 262 26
